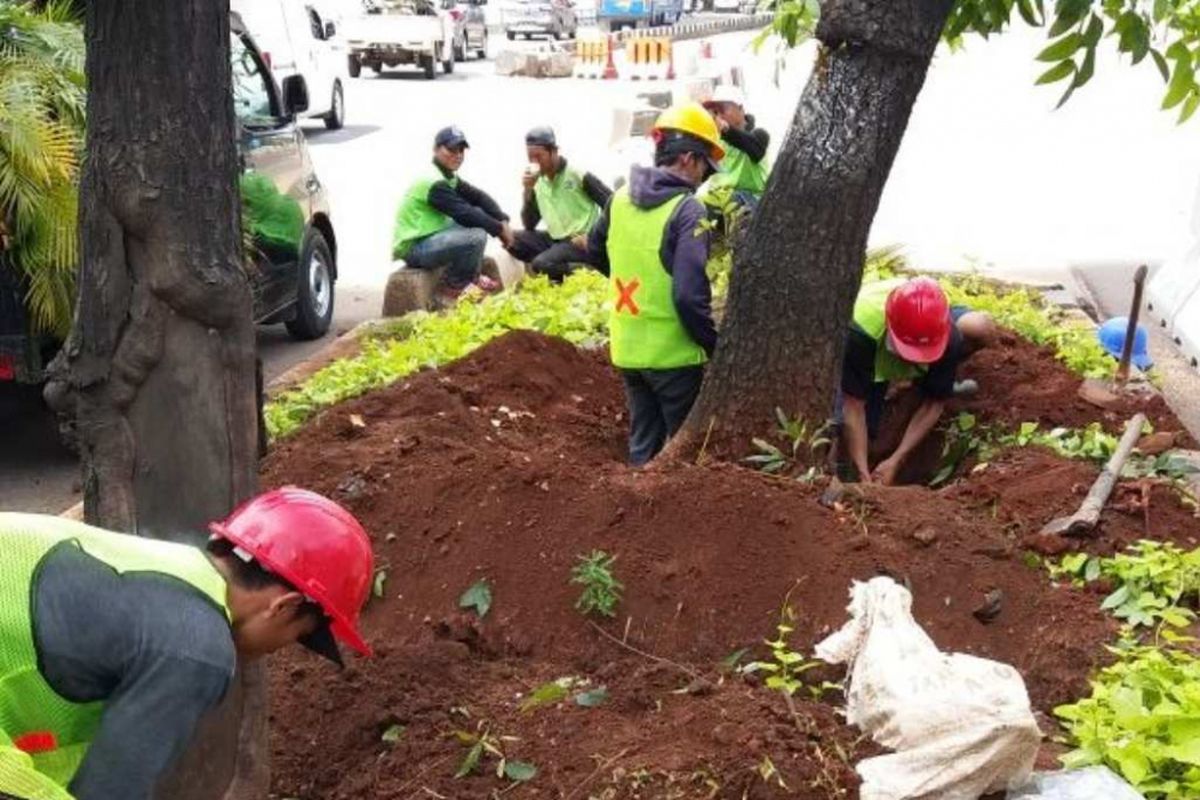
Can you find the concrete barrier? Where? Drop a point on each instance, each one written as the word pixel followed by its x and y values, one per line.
pixel 1186 329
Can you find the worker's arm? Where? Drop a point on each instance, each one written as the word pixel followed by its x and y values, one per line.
pixel 598 242
pixel 478 197
pixel 858 376
pixel 753 142
pixel 456 206
pixel 531 215
pixel 687 262
pixel 597 190
pixel 153 649
pixel 854 426
pixel 923 421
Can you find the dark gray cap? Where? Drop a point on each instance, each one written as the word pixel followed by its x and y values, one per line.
pixel 450 137
pixel 541 136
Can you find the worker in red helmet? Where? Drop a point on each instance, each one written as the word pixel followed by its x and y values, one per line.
pixel 903 330
pixel 112 646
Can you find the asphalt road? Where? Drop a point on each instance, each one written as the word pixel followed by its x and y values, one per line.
pixel 989 177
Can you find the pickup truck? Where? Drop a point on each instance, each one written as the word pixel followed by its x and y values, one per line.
pixel 394 32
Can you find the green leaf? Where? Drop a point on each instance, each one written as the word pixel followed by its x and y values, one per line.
pixel 471 761
pixel 478 597
pixel 547 694
pixel 392 734
pixel 1092 571
pixel 1189 108
pixel 1095 29
pixel 1025 7
pixel 519 771
pixel 730 662
pixel 1161 63
pixel 1087 69
pixel 1182 84
pixel 1063 48
pixel 1116 599
pixel 1059 71
pixel 592 698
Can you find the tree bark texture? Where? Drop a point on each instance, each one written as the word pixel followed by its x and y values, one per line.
pixel 798 269
pixel 160 364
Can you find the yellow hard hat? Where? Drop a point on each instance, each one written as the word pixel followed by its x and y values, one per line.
pixel 693 120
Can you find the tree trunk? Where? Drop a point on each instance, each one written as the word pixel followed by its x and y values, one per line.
pixel 160 362
pixel 797 272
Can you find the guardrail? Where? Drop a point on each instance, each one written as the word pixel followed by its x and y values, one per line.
pixel 697 28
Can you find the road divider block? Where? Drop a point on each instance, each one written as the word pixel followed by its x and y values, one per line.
pixel 650 58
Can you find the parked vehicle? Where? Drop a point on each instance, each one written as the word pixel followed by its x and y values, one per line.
pixel 470 28
pixel 528 18
pixel 395 32
pixel 727 6
pixel 286 216
pixel 284 205
pixel 613 15
pixel 299 38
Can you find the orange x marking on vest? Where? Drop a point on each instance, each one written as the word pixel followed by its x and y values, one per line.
pixel 625 293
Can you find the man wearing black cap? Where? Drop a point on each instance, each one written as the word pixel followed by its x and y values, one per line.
pixel 568 202
pixel 652 242
pixel 443 221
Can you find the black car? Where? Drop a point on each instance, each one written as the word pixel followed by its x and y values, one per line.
pixel 290 246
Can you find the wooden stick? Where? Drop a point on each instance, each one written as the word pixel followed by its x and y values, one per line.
pixel 1088 514
pixel 691 673
pixel 1139 282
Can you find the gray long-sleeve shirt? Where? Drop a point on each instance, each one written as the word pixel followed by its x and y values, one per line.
pixel 154 649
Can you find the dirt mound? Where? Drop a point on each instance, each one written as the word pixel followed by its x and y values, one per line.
pixel 507 466
pixel 1021 382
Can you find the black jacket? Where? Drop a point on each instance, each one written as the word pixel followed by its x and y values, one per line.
pixel 466 205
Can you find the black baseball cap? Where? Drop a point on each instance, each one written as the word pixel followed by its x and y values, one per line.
pixel 451 137
pixel 541 136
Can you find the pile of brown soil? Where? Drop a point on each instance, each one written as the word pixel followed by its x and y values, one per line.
pixel 507 466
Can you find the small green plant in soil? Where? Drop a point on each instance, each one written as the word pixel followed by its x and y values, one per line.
pixel 482 743
pixel 477 597
pixel 1154 582
pixel 601 589
pixel 1142 720
pixel 785 670
pixel 802 444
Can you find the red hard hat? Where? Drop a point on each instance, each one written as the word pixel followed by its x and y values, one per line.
pixel 315 545
pixel 918 320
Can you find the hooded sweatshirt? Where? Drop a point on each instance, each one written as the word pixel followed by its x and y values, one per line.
pixel 684 250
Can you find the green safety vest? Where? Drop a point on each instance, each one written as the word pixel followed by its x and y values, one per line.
pixel 645 331
pixel 29 707
pixel 564 205
pixel 742 172
pixel 416 219
pixel 870 314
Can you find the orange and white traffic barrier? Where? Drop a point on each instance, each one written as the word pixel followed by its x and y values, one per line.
pixel 651 58
pixel 593 57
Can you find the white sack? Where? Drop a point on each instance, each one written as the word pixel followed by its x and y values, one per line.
pixel 960 726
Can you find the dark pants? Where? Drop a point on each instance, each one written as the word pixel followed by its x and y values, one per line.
pixel 659 400
pixel 458 249
pixel 546 256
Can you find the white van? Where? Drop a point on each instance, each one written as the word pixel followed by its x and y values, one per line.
pixel 302 37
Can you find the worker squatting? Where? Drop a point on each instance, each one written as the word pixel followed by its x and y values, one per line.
pixel 112 647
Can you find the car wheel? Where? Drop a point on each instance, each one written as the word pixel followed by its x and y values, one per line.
pixel 482 51
pixel 377 69
pixel 512 35
pixel 355 67
pixel 314 293
pixel 448 65
pixel 460 49
pixel 336 117
pixel 429 67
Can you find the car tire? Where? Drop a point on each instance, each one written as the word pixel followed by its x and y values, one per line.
pixel 448 65
pixel 460 49
pixel 336 117
pixel 512 36
pixel 429 67
pixel 355 67
pixel 482 52
pixel 377 69
pixel 314 291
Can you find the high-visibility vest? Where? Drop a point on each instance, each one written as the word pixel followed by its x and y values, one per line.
pixel 870 314
pixel 42 734
pixel 645 331
pixel 742 172
pixel 416 218
pixel 564 205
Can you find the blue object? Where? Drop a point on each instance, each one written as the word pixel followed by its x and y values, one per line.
pixel 1112 338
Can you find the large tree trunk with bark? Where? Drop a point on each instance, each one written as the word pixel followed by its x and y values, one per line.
pixel 160 363
pixel 798 269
